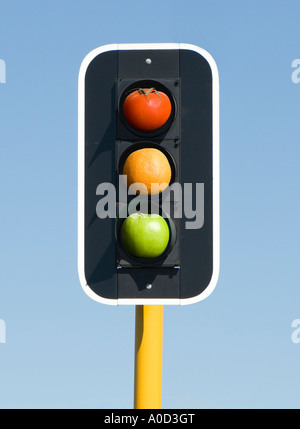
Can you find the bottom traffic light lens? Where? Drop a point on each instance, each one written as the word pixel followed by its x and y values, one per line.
pixel 145 235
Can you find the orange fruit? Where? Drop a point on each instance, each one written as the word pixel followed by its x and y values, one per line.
pixel 149 166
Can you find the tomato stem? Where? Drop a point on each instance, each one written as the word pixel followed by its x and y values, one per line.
pixel 143 92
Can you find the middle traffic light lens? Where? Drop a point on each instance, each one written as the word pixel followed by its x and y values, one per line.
pixel 147 109
pixel 150 167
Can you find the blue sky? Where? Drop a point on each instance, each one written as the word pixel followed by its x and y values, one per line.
pixel 233 350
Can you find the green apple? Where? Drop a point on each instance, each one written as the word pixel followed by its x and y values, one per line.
pixel 145 235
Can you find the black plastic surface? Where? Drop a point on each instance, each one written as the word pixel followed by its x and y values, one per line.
pixel 189 268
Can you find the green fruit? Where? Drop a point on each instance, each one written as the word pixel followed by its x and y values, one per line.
pixel 145 235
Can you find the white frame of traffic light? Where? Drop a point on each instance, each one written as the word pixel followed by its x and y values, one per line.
pixel 81 172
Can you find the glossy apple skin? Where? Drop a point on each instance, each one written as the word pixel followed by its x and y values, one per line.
pixel 145 235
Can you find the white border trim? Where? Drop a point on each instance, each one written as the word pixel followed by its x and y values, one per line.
pixel 81 163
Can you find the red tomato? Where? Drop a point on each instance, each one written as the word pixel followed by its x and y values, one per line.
pixel 147 109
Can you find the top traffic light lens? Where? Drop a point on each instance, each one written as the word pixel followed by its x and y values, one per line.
pixel 147 109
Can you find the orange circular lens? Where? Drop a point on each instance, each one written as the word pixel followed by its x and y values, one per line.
pixel 150 167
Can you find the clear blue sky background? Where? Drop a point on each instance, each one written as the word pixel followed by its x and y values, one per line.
pixel 233 350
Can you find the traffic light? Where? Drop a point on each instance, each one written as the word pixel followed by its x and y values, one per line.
pixel 148 175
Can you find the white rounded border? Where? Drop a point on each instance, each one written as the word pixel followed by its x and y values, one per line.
pixel 216 186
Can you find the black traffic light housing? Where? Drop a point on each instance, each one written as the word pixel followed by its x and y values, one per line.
pixel 188 270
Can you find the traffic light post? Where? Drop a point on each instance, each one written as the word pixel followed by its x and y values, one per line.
pixel 148 178
pixel 148 356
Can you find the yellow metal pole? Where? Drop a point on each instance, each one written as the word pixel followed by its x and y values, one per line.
pixel 148 356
